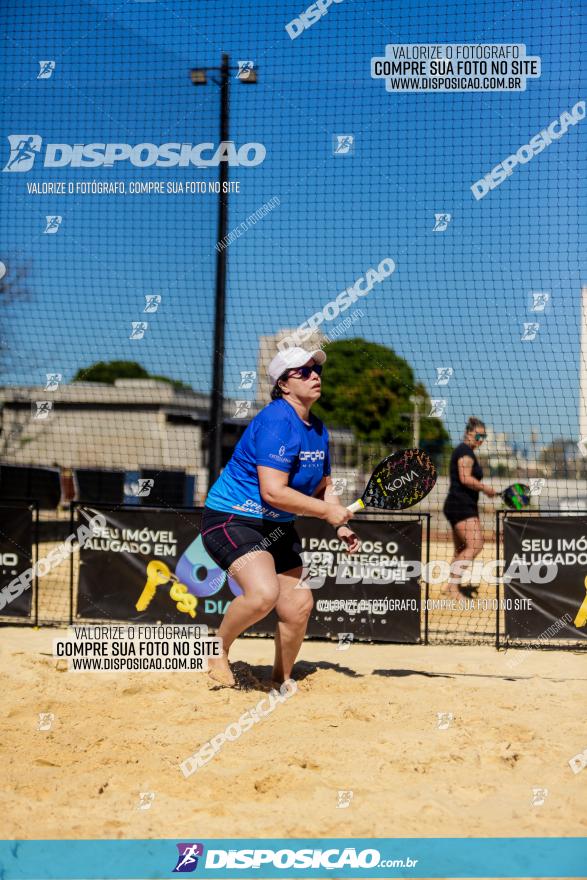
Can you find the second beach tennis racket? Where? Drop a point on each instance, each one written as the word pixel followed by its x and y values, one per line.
pixel 398 482
pixel 516 496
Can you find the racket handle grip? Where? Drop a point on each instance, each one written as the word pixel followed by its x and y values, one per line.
pixel 355 506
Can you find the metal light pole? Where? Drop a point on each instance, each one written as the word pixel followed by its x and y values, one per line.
pixel 198 77
pixel 217 402
pixel 416 401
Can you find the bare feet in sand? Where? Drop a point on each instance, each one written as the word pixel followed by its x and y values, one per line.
pixel 451 591
pixel 220 672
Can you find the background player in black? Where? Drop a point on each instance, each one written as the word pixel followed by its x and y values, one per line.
pixel 461 505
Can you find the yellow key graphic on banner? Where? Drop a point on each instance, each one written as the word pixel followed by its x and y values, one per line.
pixel 581 618
pixel 159 573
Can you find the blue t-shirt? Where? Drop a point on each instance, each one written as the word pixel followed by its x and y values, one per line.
pixel 278 438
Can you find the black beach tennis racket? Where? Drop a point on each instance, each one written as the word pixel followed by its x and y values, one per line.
pixel 516 496
pixel 398 482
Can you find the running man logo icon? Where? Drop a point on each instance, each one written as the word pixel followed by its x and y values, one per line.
pixel 23 151
pixel 146 798
pixel 53 380
pixel 138 330
pixel 53 224
pixel 443 720
pixel 46 719
pixel 578 762
pixel 42 409
pixel 537 485
pixel 443 375
pixel 539 301
pixel 345 640
pixel 46 69
pixel 437 408
pixel 187 860
pixel 153 301
pixel 242 408
pixel 245 69
pixel 530 331
pixel 247 379
pixel 441 222
pixel 343 799
pixel 343 144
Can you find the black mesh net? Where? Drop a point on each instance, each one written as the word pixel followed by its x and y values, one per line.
pixel 430 240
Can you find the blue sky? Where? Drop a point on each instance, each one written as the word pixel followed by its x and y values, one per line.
pixel 458 298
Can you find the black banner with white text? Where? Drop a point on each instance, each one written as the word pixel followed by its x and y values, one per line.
pixel 150 564
pixel 546 564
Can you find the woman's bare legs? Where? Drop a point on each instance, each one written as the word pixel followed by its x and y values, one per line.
pixel 256 576
pixel 294 606
pixel 468 543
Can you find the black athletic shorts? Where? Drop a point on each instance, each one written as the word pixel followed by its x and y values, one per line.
pixel 226 536
pixel 456 513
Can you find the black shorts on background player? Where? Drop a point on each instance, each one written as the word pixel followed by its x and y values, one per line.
pixel 461 501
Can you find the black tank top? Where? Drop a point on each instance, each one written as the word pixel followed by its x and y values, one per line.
pixel 459 495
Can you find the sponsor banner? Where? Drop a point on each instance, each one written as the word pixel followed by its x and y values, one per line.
pixel 557 606
pixel 151 565
pixel 16 556
pixel 311 858
pixel 371 595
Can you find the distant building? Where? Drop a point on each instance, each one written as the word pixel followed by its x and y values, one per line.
pixel 131 425
pixel 138 424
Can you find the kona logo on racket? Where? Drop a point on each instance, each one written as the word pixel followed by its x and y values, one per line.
pixel 401 481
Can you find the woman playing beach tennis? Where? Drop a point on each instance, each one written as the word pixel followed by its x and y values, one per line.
pixel 279 468
pixel 461 505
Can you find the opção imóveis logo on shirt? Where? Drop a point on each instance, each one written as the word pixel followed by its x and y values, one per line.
pixel 311 455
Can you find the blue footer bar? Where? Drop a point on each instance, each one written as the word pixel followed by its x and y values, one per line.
pixel 278 858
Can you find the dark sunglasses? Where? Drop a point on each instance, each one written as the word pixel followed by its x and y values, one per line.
pixel 480 436
pixel 305 372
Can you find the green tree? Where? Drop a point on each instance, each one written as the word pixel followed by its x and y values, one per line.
pixel 108 371
pixel 367 387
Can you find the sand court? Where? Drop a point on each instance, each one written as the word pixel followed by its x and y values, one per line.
pixel 416 740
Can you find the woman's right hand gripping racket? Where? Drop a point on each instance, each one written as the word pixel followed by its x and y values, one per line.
pixel 398 482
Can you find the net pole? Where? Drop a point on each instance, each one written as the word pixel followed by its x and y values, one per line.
pixel 217 401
